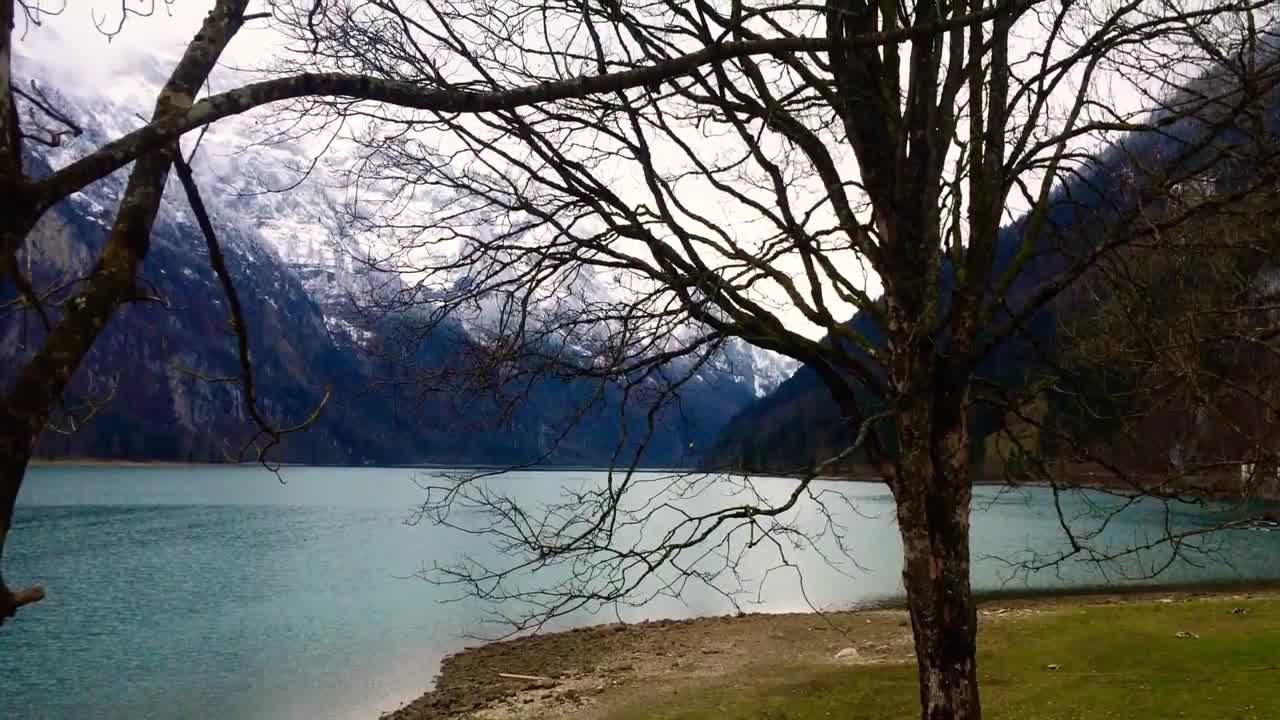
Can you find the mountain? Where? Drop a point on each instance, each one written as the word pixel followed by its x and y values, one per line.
pixel 158 370
pixel 799 423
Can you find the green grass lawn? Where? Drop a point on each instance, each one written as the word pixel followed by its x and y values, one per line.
pixel 1118 661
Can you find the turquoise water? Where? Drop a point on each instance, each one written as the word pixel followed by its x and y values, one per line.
pixel 194 592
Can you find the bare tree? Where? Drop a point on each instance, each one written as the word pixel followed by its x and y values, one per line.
pixel 749 192
pixel 718 164
pixel 33 397
pixel 27 117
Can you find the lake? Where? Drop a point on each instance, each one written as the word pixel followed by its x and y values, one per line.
pixel 209 591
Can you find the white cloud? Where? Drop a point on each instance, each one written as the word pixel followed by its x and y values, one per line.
pixel 73 49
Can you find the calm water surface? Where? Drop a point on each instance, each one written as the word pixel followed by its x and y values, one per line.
pixel 197 592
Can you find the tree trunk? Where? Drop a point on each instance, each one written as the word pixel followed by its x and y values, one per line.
pixel 35 393
pixel 933 495
pixel 15 452
pixel 943 621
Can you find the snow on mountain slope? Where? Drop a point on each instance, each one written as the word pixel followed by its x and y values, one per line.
pixel 264 194
pixel 280 248
pixel 759 369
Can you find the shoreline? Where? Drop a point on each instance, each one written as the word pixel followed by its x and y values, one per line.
pixel 93 462
pixel 1075 481
pixel 582 672
pixel 114 462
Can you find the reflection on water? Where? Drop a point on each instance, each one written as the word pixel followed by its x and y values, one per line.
pixel 182 592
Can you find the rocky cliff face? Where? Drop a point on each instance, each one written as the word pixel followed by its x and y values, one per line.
pixel 160 360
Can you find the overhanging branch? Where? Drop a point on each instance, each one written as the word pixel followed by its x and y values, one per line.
pixel 117 154
pixel 218 262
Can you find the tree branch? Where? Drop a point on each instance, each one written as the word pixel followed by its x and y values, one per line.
pixel 246 378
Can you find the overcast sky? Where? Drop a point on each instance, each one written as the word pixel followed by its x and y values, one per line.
pixel 72 51
pixel 72 46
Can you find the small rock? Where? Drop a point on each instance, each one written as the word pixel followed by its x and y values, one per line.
pixel 868 621
pixel 1239 611
pixel 1166 600
pixel 847 654
pixel 1052 666
pixel 540 685
pixel 1186 635
pixel 710 651
pixel 571 695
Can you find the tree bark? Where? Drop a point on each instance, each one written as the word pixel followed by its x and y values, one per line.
pixel 933 495
pixel 943 620
pixel 15 452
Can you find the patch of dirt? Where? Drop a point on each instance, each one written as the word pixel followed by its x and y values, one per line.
pixel 582 671
pixel 586 664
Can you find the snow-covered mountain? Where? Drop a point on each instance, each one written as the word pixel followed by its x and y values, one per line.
pixel 761 370
pixel 270 208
